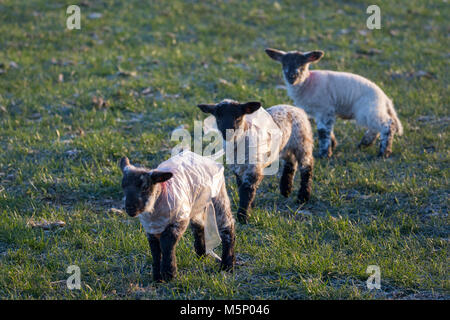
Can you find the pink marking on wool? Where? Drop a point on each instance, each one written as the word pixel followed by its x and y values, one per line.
pixel 312 75
pixel 310 81
pixel 164 187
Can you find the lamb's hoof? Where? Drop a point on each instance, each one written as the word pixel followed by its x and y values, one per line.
pixel 303 198
pixel 325 155
pixel 385 154
pixel 228 267
pixel 363 145
pixel 242 218
pixel 285 192
pixel 167 276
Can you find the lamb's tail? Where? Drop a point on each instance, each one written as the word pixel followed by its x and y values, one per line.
pixel 393 114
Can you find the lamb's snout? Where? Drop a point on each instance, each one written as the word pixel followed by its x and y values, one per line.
pixel 132 206
pixel 291 76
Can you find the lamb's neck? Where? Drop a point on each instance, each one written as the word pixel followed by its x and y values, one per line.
pixel 302 88
pixel 155 199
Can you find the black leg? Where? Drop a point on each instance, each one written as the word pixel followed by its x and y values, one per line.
pixel 326 136
pixel 199 238
pixel 228 240
pixel 306 182
pixel 156 254
pixel 386 139
pixel 325 149
pixel 287 178
pixel 238 181
pixel 246 196
pixel 169 239
pixel 368 139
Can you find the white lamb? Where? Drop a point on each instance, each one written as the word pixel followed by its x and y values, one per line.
pixel 324 94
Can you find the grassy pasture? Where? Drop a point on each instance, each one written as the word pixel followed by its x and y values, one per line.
pixel 72 102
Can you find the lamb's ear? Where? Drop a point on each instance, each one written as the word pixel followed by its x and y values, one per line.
pixel 250 107
pixel 160 176
pixel 314 56
pixel 124 162
pixel 275 54
pixel 207 108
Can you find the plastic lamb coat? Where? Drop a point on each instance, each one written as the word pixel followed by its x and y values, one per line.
pixel 262 136
pixel 188 195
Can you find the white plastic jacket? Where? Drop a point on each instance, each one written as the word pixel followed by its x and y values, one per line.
pixel 264 139
pixel 188 195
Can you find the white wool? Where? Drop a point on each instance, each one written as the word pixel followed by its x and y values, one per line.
pixel 187 195
pixel 325 94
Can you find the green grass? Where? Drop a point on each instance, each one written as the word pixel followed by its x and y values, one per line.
pixel 392 213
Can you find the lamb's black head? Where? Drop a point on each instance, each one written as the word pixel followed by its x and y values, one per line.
pixel 139 186
pixel 295 63
pixel 230 114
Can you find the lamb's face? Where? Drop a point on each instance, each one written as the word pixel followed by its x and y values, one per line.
pixel 230 114
pixel 294 63
pixel 140 187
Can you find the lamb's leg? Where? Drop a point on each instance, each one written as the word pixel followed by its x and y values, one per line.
pixel 239 183
pixel 305 186
pixel 324 130
pixel 305 160
pixel 225 223
pixel 368 139
pixel 386 138
pixel 334 142
pixel 156 255
pixel 169 239
pixel 247 192
pixel 199 238
pixel 228 237
pixel 287 178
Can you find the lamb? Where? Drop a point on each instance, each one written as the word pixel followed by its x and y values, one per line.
pixel 324 94
pixel 295 147
pixel 186 188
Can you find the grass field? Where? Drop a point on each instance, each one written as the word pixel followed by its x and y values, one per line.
pixel 72 102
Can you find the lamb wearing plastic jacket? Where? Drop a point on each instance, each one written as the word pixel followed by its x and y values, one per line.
pixel 186 188
pixel 281 131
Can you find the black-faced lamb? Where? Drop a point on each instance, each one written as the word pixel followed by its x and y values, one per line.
pixel 186 188
pixel 294 146
pixel 326 94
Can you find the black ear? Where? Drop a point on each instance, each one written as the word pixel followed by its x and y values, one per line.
pixel 275 54
pixel 207 108
pixel 124 162
pixel 160 176
pixel 250 107
pixel 314 56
